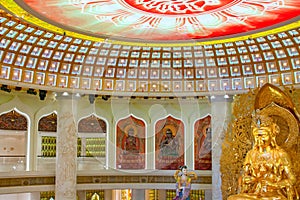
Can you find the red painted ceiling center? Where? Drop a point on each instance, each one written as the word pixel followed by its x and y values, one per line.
pixel 166 20
pixel 177 7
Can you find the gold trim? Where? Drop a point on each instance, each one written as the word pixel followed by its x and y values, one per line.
pixel 269 94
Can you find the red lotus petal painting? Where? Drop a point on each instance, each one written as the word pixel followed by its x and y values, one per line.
pixel 166 20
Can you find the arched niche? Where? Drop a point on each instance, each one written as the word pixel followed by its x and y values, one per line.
pixel 13 120
pixel 94 194
pixel 92 124
pixel 48 123
pixel 13 141
pixel 130 143
pixel 202 143
pixel 169 143
pixel 95 197
pixel 92 138
pixel 47 128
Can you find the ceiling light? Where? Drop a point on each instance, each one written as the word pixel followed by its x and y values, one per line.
pixel 31 91
pixel 65 94
pixel 92 98
pixel 5 88
pixel 42 94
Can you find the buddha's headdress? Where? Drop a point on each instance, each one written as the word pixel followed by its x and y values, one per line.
pixel 263 121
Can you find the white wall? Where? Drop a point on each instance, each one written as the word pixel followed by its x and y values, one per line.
pixel 21 196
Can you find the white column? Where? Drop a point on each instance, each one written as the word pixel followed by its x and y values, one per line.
pixel 35 196
pixel 188 144
pixel 111 147
pixel 162 194
pixel 108 194
pixel 208 195
pixel 138 194
pixel 221 111
pixel 150 147
pixel 66 149
pixel 81 195
pixel 116 194
pixel 32 165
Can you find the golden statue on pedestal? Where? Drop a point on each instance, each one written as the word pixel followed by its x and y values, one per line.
pixel 267 171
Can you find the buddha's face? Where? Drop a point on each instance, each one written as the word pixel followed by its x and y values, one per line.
pixel 169 133
pixel 131 132
pixel 262 136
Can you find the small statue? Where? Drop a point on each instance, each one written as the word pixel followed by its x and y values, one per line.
pixel 183 183
pixel 267 172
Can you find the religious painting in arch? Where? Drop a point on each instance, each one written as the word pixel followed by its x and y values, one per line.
pixel 202 143
pixel 13 136
pixel 169 143
pixel 130 152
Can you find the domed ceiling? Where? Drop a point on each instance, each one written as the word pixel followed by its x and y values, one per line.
pixel 149 47
pixel 166 20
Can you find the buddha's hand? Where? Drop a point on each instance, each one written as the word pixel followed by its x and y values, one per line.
pixel 248 179
pixel 270 183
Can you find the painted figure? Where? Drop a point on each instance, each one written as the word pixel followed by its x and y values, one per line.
pixel 169 146
pixel 130 143
pixel 183 183
pixel 205 143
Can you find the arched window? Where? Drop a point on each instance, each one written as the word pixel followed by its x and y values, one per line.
pixel 13 140
pixel 47 128
pixel 92 136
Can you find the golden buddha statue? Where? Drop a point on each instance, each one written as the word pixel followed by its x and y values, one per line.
pixel 267 169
